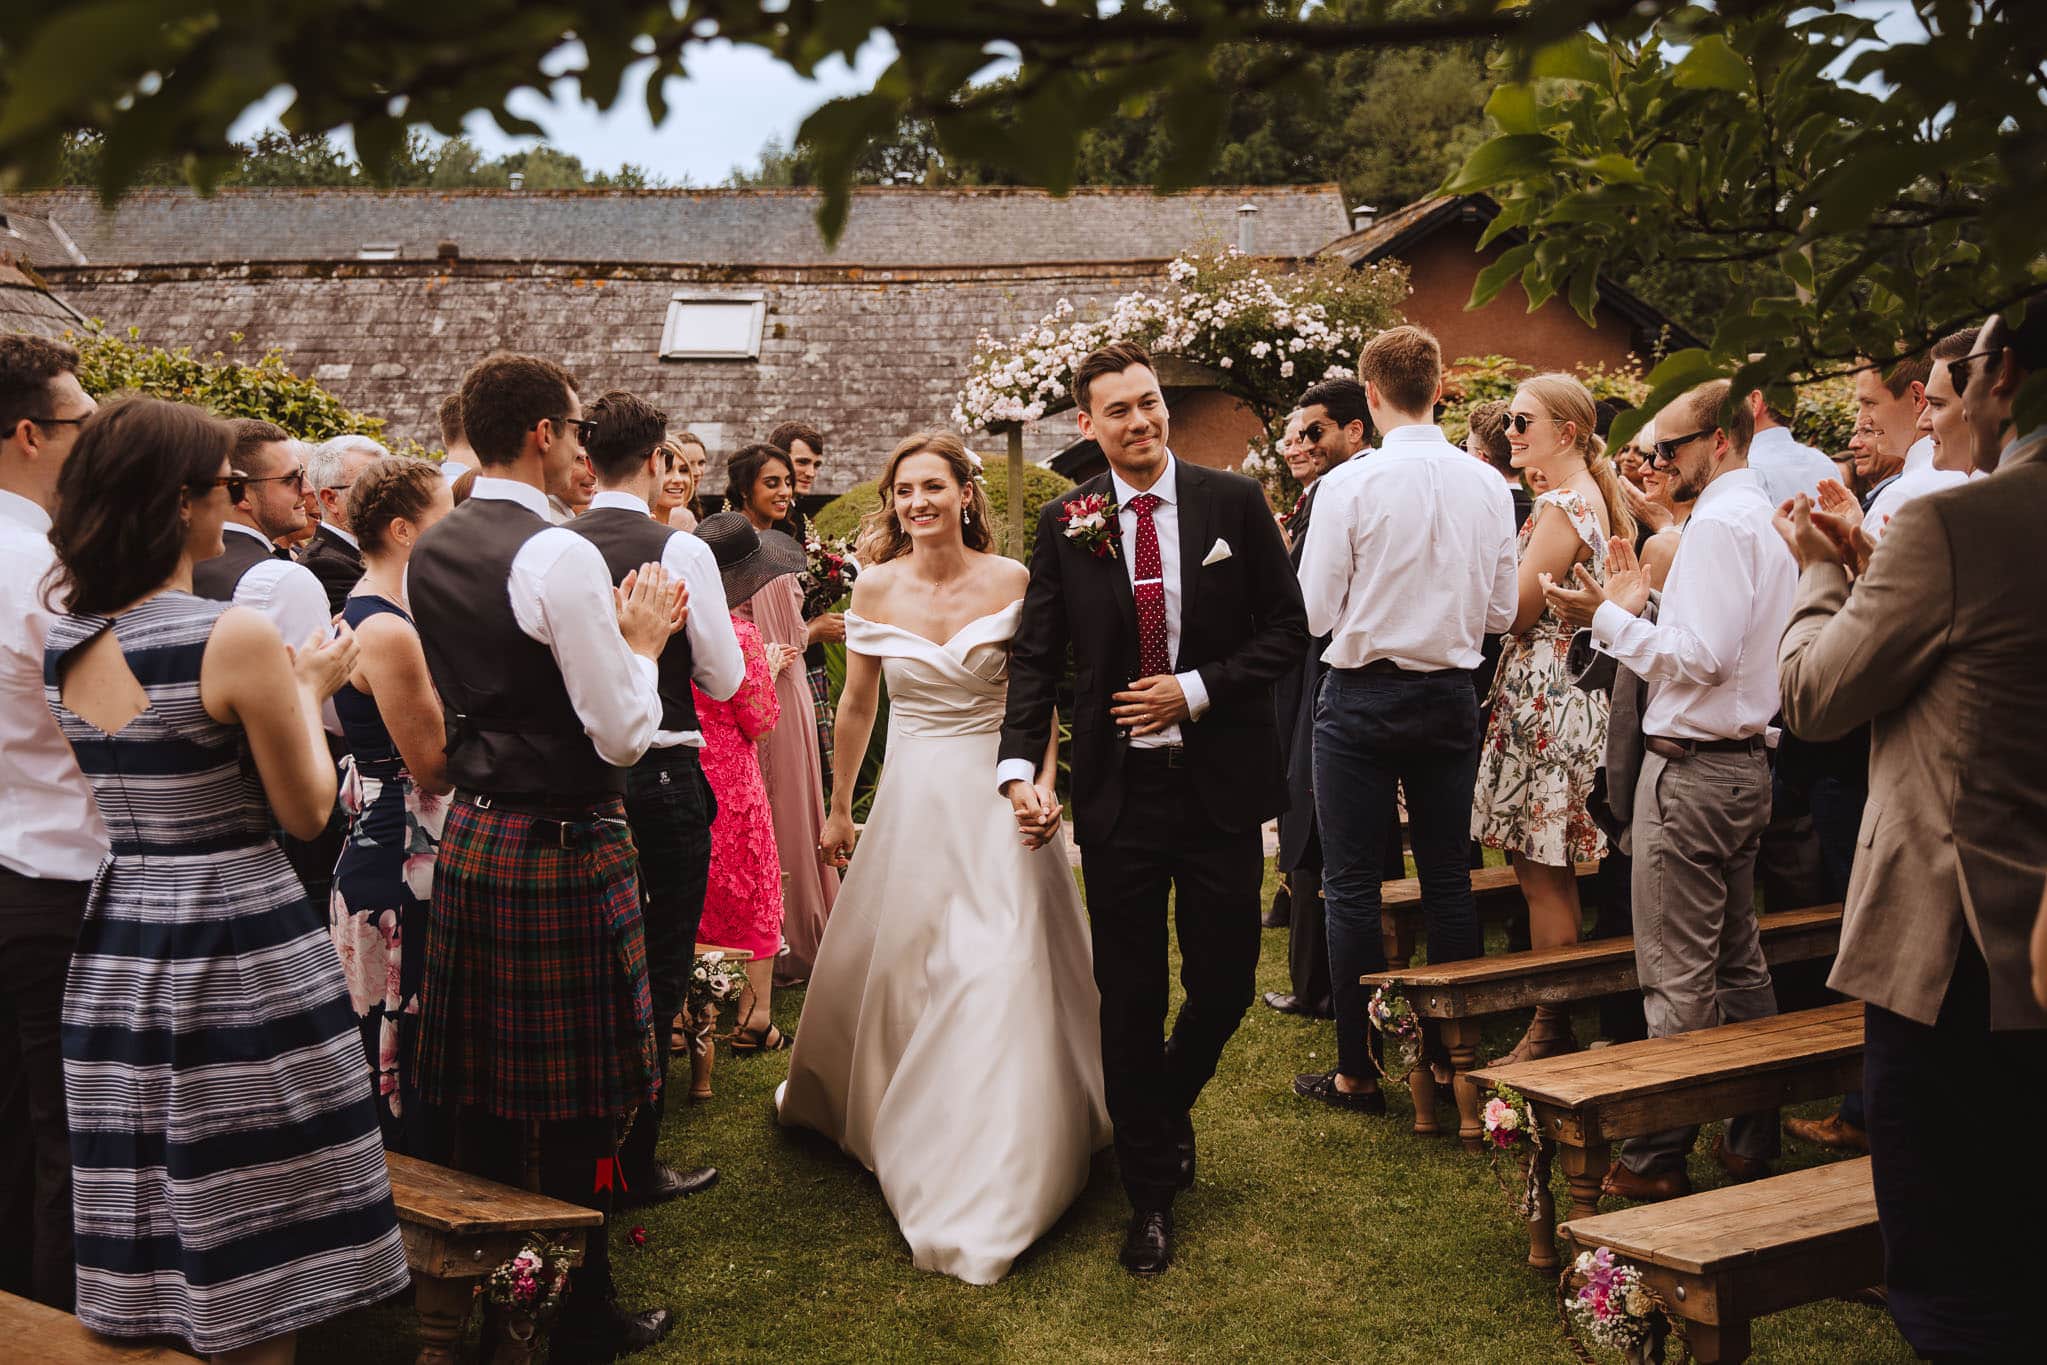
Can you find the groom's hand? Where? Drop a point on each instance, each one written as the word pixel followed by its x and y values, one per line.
pixel 1150 705
pixel 1034 821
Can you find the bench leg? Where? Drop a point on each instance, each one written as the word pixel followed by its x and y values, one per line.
pixel 1460 1039
pixel 1585 1167
pixel 1717 1343
pixel 1542 1217
pixel 1421 1084
pixel 443 1308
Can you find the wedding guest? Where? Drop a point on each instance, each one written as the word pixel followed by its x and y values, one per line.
pixel 1888 398
pixel 1330 428
pixel 1844 467
pixel 690 447
pixel 51 835
pixel 1304 468
pixel 1703 794
pixel 535 1012
pixel 1934 939
pixel 334 554
pixel 668 803
pixel 228 1190
pixel 569 491
pixel 674 490
pixel 804 444
pixel 1632 459
pixel 454 439
pixel 1661 487
pixel 1544 735
pixel 1406 615
pixel 823 624
pixel 1785 466
pixel 1944 421
pixel 394 787
pixel 743 903
pixel 761 485
pixel 1486 437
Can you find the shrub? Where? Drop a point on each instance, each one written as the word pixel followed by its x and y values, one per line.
pixel 839 519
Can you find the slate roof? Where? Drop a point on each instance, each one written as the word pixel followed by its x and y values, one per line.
pixel 25 306
pixel 906 226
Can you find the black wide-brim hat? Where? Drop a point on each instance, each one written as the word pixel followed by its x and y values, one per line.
pixel 748 560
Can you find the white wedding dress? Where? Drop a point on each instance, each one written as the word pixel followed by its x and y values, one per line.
pixel 951 1037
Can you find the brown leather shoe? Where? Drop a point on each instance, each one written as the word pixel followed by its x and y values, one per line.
pixel 1831 1132
pixel 1622 1183
pixel 1740 1167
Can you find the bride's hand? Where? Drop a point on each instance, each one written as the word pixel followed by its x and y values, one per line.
pixel 835 843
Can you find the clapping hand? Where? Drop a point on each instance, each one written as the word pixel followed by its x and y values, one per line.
pixel 1627 587
pixel 326 659
pixel 1817 537
pixel 651 607
pixel 1837 502
pixel 780 656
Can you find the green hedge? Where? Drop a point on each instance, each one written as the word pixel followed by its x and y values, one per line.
pixel 839 519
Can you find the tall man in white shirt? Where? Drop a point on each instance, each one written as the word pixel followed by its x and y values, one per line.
pixel 535 1008
pixel 1785 466
pixel 1888 398
pixel 668 802
pixel 1411 564
pixel 1703 795
pixel 51 838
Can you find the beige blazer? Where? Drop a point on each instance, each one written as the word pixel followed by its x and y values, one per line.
pixel 1942 646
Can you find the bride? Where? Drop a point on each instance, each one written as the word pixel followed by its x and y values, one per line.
pixel 950 1039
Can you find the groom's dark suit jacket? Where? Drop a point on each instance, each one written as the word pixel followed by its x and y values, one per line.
pixel 1242 626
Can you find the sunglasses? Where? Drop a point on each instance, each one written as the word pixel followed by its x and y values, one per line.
pixel 1311 434
pixel 235 484
pixel 1665 452
pixel 1958 370
pixel 1520 422
pixel 294 476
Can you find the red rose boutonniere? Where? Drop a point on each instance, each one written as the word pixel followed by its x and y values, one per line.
pixel 1090 522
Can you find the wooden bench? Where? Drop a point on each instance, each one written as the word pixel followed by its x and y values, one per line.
pixel 1585 1102
pixel 1495 890
pixel 1726 1257
pixel 35 1331
pixel 1458 995
pixel 457 1229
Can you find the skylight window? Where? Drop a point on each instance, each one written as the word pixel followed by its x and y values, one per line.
pixel 713 326
pixel 377 251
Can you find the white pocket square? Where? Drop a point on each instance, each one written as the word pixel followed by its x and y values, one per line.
pixel 1217 553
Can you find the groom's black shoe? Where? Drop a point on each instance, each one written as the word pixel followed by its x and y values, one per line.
pixel 1148 1246
pixel 1288 1003
pixel 1183 1148
pixel 1321 1085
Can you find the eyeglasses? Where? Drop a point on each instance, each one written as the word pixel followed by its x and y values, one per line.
pixel 1958 370
pixel 586 427
pixel 1520 422
pixel 1665 452
pixel 295 476
pixel 235 484
pixel 61 421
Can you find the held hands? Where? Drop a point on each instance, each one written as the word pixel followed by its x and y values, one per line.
pixel 1627 587
pixel 835 843
pixel 828 629
pixel 1149 705
pixel 651 607
pixel 780 656
pixel 1036 809
pixel 325 660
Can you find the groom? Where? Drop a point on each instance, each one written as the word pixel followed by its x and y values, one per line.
pixel 1181 611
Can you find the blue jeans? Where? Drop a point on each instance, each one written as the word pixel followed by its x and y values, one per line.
pixel 1376 730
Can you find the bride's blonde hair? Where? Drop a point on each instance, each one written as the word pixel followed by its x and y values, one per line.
pixel 883 538
pixel 1564 399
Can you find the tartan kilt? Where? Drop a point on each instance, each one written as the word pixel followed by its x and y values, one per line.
pixel 827 719
pixel 535 1003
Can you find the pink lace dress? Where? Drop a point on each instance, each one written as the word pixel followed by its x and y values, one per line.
pixel 743 903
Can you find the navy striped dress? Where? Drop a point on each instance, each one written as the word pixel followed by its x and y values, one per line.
pixel 228 1179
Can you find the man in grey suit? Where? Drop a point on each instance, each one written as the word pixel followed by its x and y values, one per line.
pixel 1941 644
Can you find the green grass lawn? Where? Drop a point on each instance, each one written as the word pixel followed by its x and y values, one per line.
pixel 1311 1236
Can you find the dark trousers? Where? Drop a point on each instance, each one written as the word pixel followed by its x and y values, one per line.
pixel 669 805
pixel 1307 944
pixel 1953 1294
pixel 1836 820
pixel 573 1162
pixel 38 927
pixel 1165 843
pixel 1375 729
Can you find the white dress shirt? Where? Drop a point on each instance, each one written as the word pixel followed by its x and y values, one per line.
pixel 561 597
pixel 49 826
pixel 346 537
pixel 1915 480
pixel 1165 519
pixel 716 664
pixel 1725 605
pixel 288 594
pixel 1411 556
pixel 1787 468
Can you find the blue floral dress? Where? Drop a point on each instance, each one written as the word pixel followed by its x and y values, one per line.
pixel 1544 740
pixel 383 884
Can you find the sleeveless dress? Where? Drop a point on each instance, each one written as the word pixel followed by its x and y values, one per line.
pixel 228 1181
pixel 1545 737
pixel 743 900
pixel 954 950
pixel 383 884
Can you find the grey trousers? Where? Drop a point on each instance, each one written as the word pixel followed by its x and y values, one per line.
pixel 1698 827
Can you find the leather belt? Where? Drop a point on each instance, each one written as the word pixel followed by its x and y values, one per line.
pixel 1681 749
pixel 546 828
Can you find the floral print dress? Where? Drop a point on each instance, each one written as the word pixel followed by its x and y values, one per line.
pixel 743 903
pixel 1545 737
pixel 383 884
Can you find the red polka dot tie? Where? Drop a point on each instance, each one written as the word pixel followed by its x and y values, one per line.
pixel 1150 590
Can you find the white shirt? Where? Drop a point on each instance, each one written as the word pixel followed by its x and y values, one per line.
pixel 49 826
pixel 716 664
pixel 557 512
pixel 291 597
pixel 1165 519
pixel 1786 467
pixel 346 537
pixel 1411 555
pixel 561 597
pixel 1725 605
pixel 1915 480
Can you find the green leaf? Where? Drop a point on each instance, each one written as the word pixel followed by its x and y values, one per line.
pixel 1502 159
pixel 1577 58
pixel 1712 65
pixel 1513 107
pixel 1495 276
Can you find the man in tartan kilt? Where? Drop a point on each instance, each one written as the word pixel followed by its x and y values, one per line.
pixel 535 1010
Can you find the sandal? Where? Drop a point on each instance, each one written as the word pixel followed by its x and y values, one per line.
pixel 747 1040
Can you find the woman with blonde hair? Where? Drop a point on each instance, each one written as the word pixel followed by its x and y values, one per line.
pixel 684 480
pixel 954 946
pixel 1544 736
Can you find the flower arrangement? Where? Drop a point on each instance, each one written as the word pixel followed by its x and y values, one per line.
pixel 1613 1307
pixel 1509 1122
pixel 828 576
pixel 714 980
pixel 1400 1029
pixel 531 1283
pixel 1090 522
